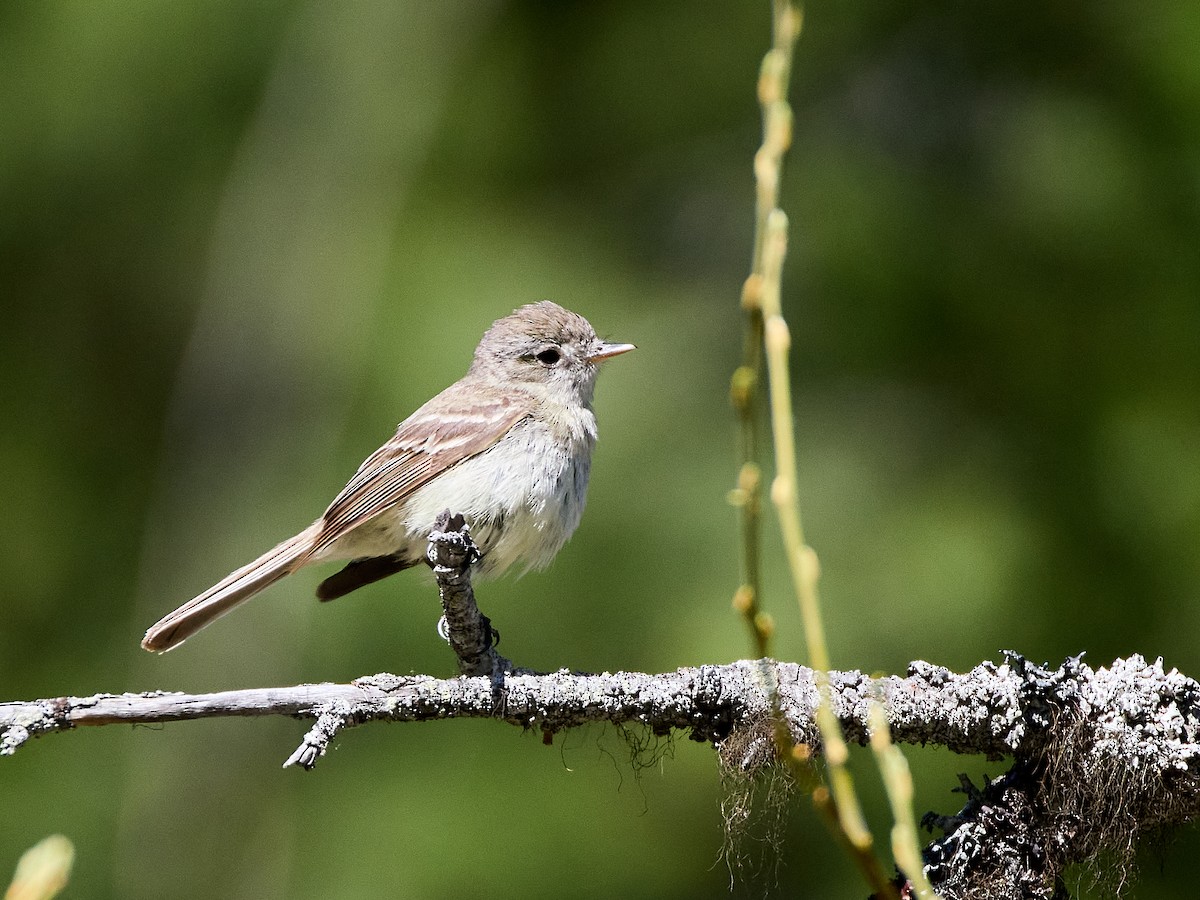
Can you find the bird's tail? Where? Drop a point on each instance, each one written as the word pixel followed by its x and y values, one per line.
pixel 237 587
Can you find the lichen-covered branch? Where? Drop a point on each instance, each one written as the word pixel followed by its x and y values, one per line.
pixel 468 631
pixel 1132 710
pixel 1102 755
pixel 710 701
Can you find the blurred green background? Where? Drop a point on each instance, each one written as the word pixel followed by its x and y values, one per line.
pixel 240 241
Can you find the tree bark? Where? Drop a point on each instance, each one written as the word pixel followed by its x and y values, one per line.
pixel 1100 756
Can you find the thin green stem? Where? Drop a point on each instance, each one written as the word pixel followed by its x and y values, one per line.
pixel 763 295
pixel 744 386
pixel 897 781
pixel 802 559
pixel 862 854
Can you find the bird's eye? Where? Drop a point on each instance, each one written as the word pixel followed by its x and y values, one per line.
pixel 549 356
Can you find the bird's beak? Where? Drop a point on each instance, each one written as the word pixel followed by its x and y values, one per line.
pixel 602 351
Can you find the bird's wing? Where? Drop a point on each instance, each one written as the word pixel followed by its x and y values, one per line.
pixel 454 425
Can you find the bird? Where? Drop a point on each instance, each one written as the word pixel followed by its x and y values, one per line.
pixel 508 446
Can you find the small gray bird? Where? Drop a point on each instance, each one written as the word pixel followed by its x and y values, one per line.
pixel 508 446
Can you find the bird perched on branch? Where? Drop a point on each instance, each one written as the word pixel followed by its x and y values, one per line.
pixel 508 446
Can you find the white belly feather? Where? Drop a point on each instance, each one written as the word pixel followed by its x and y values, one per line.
pixel 523 498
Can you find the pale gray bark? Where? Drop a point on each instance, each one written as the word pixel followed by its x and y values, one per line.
pixel 1100 755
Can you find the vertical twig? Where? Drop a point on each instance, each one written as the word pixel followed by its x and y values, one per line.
pixel 802 559
pixel 467 630
pixel 762 293
pixel 897 780
pixel 744 385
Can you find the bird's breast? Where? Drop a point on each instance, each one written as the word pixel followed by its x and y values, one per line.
pixel 523 497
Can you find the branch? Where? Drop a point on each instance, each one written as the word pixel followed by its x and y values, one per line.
pixel 468 631
pixel 1132 711
pixel 1101 755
